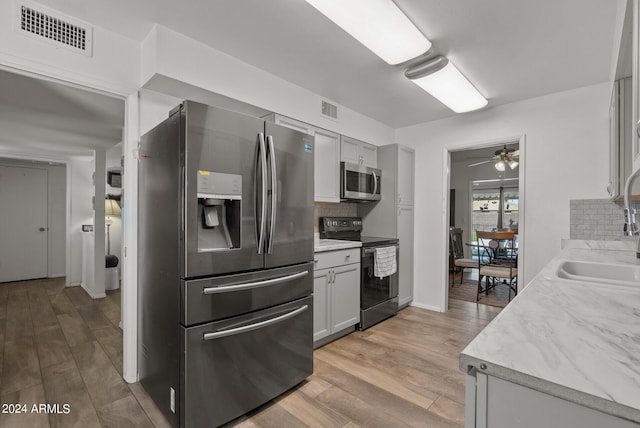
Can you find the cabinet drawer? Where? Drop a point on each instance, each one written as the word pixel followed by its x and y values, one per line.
pixel 336 258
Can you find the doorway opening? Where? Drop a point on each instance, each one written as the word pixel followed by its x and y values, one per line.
pixel 485 194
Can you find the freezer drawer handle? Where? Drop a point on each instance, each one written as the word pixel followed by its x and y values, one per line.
pixel 251 327
pixel 279 280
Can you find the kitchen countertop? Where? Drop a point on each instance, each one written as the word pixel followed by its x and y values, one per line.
pixel 575 340
pixel 322 245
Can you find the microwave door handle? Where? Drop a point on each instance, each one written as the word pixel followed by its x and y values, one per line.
pixel 274 193
pixel 375 182
pixel 261 161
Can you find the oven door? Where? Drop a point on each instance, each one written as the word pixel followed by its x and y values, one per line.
pixel 375 290
pixel 359 182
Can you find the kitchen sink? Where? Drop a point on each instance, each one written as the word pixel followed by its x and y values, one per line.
pixel 602 273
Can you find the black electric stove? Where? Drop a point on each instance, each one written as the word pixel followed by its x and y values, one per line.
pixel 349 229
pixel 378 296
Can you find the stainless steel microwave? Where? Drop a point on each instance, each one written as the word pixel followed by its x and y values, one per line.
pixel 359 182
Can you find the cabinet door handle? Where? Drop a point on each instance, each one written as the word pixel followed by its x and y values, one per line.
pixel 638 128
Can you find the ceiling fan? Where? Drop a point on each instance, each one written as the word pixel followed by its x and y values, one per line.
pixel 502 157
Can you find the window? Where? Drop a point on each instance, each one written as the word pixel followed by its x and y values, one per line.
pixel 488 214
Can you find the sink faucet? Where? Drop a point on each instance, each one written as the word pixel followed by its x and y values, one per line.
pixel 630 225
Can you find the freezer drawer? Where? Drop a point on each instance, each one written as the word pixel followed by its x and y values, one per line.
pixel 232 366
pixel 212 299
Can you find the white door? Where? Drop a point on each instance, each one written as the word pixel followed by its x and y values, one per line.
pixel 23 223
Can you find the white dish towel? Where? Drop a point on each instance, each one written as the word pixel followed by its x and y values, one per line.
pixel 384 261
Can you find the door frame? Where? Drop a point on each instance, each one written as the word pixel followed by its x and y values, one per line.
pixel 446 186
pixel 130 139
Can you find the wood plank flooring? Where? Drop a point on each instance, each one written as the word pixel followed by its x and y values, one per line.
pixel 402 372
pixel 59 346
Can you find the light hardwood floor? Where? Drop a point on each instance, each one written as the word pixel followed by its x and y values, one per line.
pixel 59 346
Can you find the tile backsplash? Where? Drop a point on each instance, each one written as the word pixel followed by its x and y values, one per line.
pixel 598 219
pixel 343 209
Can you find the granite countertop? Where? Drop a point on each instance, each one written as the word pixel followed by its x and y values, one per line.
pixel 322 245
pixel 575 340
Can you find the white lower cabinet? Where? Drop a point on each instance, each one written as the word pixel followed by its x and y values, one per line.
pixel 491 402
pixel 336 295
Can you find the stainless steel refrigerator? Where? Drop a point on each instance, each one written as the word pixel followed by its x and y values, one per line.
pixel 226 263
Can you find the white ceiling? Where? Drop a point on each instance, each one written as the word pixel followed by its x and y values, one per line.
pixel 47 119
pixel 510 49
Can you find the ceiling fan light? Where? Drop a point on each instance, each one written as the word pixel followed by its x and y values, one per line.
pixel 500 165
pixel 513 164
pixel 443 80
pixel 379 25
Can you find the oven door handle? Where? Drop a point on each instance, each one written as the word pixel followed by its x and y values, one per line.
pixel 255 284
pixel 373 250
pixel 251 327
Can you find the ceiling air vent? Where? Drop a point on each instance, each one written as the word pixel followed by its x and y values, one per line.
pixel 44 24
pixel 329 110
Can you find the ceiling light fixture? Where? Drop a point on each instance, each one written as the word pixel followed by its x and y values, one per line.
pixel 513 164
pixel 500 165
pixel 379 25
pixel 443 80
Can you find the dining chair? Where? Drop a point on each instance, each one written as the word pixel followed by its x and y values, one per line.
pixel 457 253
pixel 502 264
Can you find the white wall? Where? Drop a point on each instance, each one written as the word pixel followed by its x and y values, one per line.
pixel 173 55
pixel 114 155
pixel 57 220
pixel 81 212
pixel 566 158
pixel 114 65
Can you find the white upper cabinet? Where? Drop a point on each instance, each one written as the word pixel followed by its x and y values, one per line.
pixel 358 152
pixel 327 166
pixel 326 157
pixel 290 123
pixel 633 9
pixel 405 170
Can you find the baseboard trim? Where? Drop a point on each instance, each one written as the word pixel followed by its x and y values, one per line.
pixel 93 295
pixel 56 275
pixel 425 306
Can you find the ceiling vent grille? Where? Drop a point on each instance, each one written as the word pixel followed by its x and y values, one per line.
pixel 329 110
pixel 60 30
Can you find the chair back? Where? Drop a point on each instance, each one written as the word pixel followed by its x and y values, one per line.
pixel 501 243
pixel 455 242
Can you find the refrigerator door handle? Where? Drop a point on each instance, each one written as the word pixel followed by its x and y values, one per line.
pixel 251 327
pixel 255 284
pixel 261 223
pixel 274 193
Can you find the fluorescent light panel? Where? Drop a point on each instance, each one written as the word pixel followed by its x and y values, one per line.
pixel 377 24
pixel 452 89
